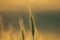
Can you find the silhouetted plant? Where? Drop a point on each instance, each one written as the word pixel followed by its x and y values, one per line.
pixel 32 24
pixel 22 35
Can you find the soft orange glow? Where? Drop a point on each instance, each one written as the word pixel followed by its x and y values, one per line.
pixel 18 5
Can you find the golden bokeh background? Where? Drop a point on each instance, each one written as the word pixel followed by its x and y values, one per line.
pixel 18 5
pixel 26 6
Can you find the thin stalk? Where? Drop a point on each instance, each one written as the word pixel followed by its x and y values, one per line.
pixel 31 20
pixel 32 24
pixel 22 35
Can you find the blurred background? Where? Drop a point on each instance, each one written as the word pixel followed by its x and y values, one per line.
pixel 15 16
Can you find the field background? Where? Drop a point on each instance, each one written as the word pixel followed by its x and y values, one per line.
pixel 15 17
